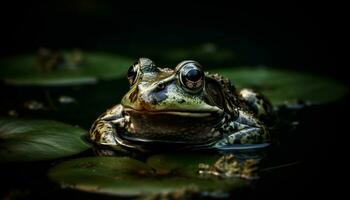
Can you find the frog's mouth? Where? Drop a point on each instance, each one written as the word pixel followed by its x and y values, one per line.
pixel 172 126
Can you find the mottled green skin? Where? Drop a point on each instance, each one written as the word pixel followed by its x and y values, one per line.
pixel 159 109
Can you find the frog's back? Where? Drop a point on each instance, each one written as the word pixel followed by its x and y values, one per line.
pixel 246 100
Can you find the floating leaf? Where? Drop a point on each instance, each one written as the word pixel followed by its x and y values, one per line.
pixel 33 140
pixel 128 177
pixel 282 86
pixel 22 70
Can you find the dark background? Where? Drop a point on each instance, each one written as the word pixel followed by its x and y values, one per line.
pixel 298 35
pixel 306 36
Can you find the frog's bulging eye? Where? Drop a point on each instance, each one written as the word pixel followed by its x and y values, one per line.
pixel 192 76
pixel 132 73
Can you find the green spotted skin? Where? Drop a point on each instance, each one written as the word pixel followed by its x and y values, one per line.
pixel 183 108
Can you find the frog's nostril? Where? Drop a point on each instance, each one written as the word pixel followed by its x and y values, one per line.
pixel 160 86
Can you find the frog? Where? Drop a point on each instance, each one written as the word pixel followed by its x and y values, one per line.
pixel 184 108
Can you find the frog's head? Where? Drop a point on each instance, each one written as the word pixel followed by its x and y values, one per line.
pixel 180 105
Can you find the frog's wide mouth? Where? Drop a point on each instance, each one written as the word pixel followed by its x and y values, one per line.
pixel 172 126
pixel 182 113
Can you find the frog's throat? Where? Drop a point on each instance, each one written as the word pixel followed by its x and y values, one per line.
pixel 150 145
pixel 144 145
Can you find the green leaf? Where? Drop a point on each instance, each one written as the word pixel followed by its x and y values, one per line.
pixel 34 140
pixel 283 86
pixel 21 70
pixel 125 176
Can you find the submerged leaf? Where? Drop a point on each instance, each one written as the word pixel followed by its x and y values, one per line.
pixel 282 86
pixel 128 177
pixel 33 140
pixel 179 162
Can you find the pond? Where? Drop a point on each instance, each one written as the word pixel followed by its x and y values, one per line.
pixel 63 64
pixel 45 153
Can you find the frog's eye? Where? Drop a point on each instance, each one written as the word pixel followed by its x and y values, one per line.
pixel 191 75
pixel 132 73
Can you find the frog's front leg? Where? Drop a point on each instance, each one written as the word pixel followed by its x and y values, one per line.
pixel 245 129
pixel 103 132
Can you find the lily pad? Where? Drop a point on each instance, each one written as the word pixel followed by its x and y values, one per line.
pixel 125 176
pixel 34 140
pixel 21 70
pixel 283 86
